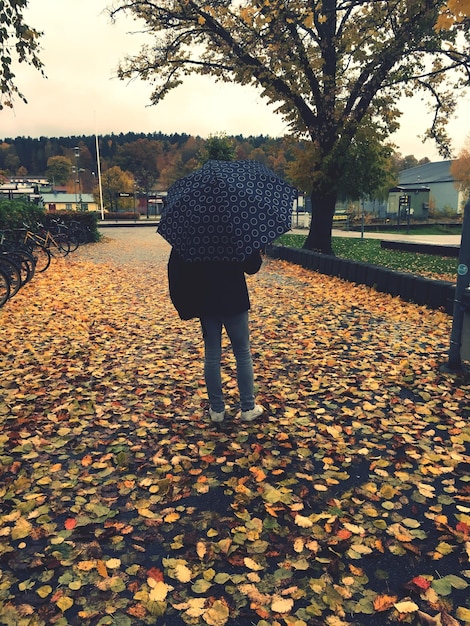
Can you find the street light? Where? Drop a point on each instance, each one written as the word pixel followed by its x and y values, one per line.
pixel 77 157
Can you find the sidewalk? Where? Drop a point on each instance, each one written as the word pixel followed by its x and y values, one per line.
pixel 440 239
pixel 433 239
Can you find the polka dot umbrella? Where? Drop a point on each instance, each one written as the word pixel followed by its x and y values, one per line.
pixel 226 210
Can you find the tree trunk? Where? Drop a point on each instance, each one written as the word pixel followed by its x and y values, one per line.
pixel 323 209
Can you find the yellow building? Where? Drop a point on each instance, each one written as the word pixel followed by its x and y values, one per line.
pixel 69 202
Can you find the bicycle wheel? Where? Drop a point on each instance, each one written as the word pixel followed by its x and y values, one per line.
pixel 25 261
pixel 73 241
pixel 4 288
pixel 42 257
pixel 60 246
pixel 13 272
pixel 84 235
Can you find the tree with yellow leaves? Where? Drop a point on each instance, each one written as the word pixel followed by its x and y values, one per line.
pixel 18 42
pixel 116 181
pixel 332 68
pixel 460 169
pixel 454 11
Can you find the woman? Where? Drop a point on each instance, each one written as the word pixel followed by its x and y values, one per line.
pixel 217 294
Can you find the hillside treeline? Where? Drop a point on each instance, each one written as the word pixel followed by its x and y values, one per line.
pixel 153 161
pixel 170 156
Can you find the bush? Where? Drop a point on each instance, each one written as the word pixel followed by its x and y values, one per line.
pixel 16 213
pixel 88 221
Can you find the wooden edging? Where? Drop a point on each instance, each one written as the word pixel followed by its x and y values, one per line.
pixel 435 294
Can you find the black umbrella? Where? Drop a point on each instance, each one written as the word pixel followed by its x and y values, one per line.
pixel 226 210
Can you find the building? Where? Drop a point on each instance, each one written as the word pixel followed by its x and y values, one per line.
pixel 24 186
pixel 69 202
pixel 429 187
pixel 414 199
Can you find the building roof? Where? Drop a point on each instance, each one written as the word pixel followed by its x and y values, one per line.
pixel 438 172
pixel 417 188
pixel 67 198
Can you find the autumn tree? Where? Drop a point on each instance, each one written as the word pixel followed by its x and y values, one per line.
pixel 59 170
pixel 18 43
pixel 454 12
pixel 9 159
pixel 140 158
pixel 326 65
pixel 367 167
pixel 115 181
pixel 218 147
pixel 460 169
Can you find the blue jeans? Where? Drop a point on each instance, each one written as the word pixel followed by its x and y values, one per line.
pixel 239 335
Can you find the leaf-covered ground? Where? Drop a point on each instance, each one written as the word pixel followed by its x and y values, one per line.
pixel 348 503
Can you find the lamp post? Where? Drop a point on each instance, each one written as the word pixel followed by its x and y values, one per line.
pixel 77 157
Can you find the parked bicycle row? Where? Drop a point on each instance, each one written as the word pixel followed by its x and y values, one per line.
pixel 25 251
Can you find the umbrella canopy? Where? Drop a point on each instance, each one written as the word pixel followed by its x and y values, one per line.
pixel 226 210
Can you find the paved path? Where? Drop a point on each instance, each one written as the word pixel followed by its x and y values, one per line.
pixel 434 239
pixel 151 226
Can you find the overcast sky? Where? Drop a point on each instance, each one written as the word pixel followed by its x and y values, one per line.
pixel 81 50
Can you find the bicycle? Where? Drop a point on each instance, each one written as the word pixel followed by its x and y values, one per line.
pixel 39 256
pixel 57 245
pixel 82 232
pixel 22 257
pixel 63 233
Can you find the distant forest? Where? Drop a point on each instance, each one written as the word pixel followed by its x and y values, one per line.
pixel 160 157
pixel 172 154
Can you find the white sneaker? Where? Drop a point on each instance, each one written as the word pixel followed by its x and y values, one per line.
pixel 216 417
pixel 249 416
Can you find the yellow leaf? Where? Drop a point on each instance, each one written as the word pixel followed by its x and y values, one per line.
pixel 407 606
pixel 113 563
pixel 272 495
pixel 426 490
pixel 387 492
pixel 282 605
pixel 224 545
pixel 102 569
pixel 159 591
pixel 183 573
pixel 302 521
pixel 171 517
pixel 144 512
pixel 258 473
pixel 252 564
pixel 359 548
pixel 64 603
pixel 217 615
pixel 44 591
pixel 86 566
pixel 384 602
pixel 356 530
pixel 21 529
pixel 201 549
pixel 299 544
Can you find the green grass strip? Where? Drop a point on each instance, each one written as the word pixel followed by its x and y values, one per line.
pixel 369 251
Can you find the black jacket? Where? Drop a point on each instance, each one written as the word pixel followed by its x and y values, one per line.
pixel 210 288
